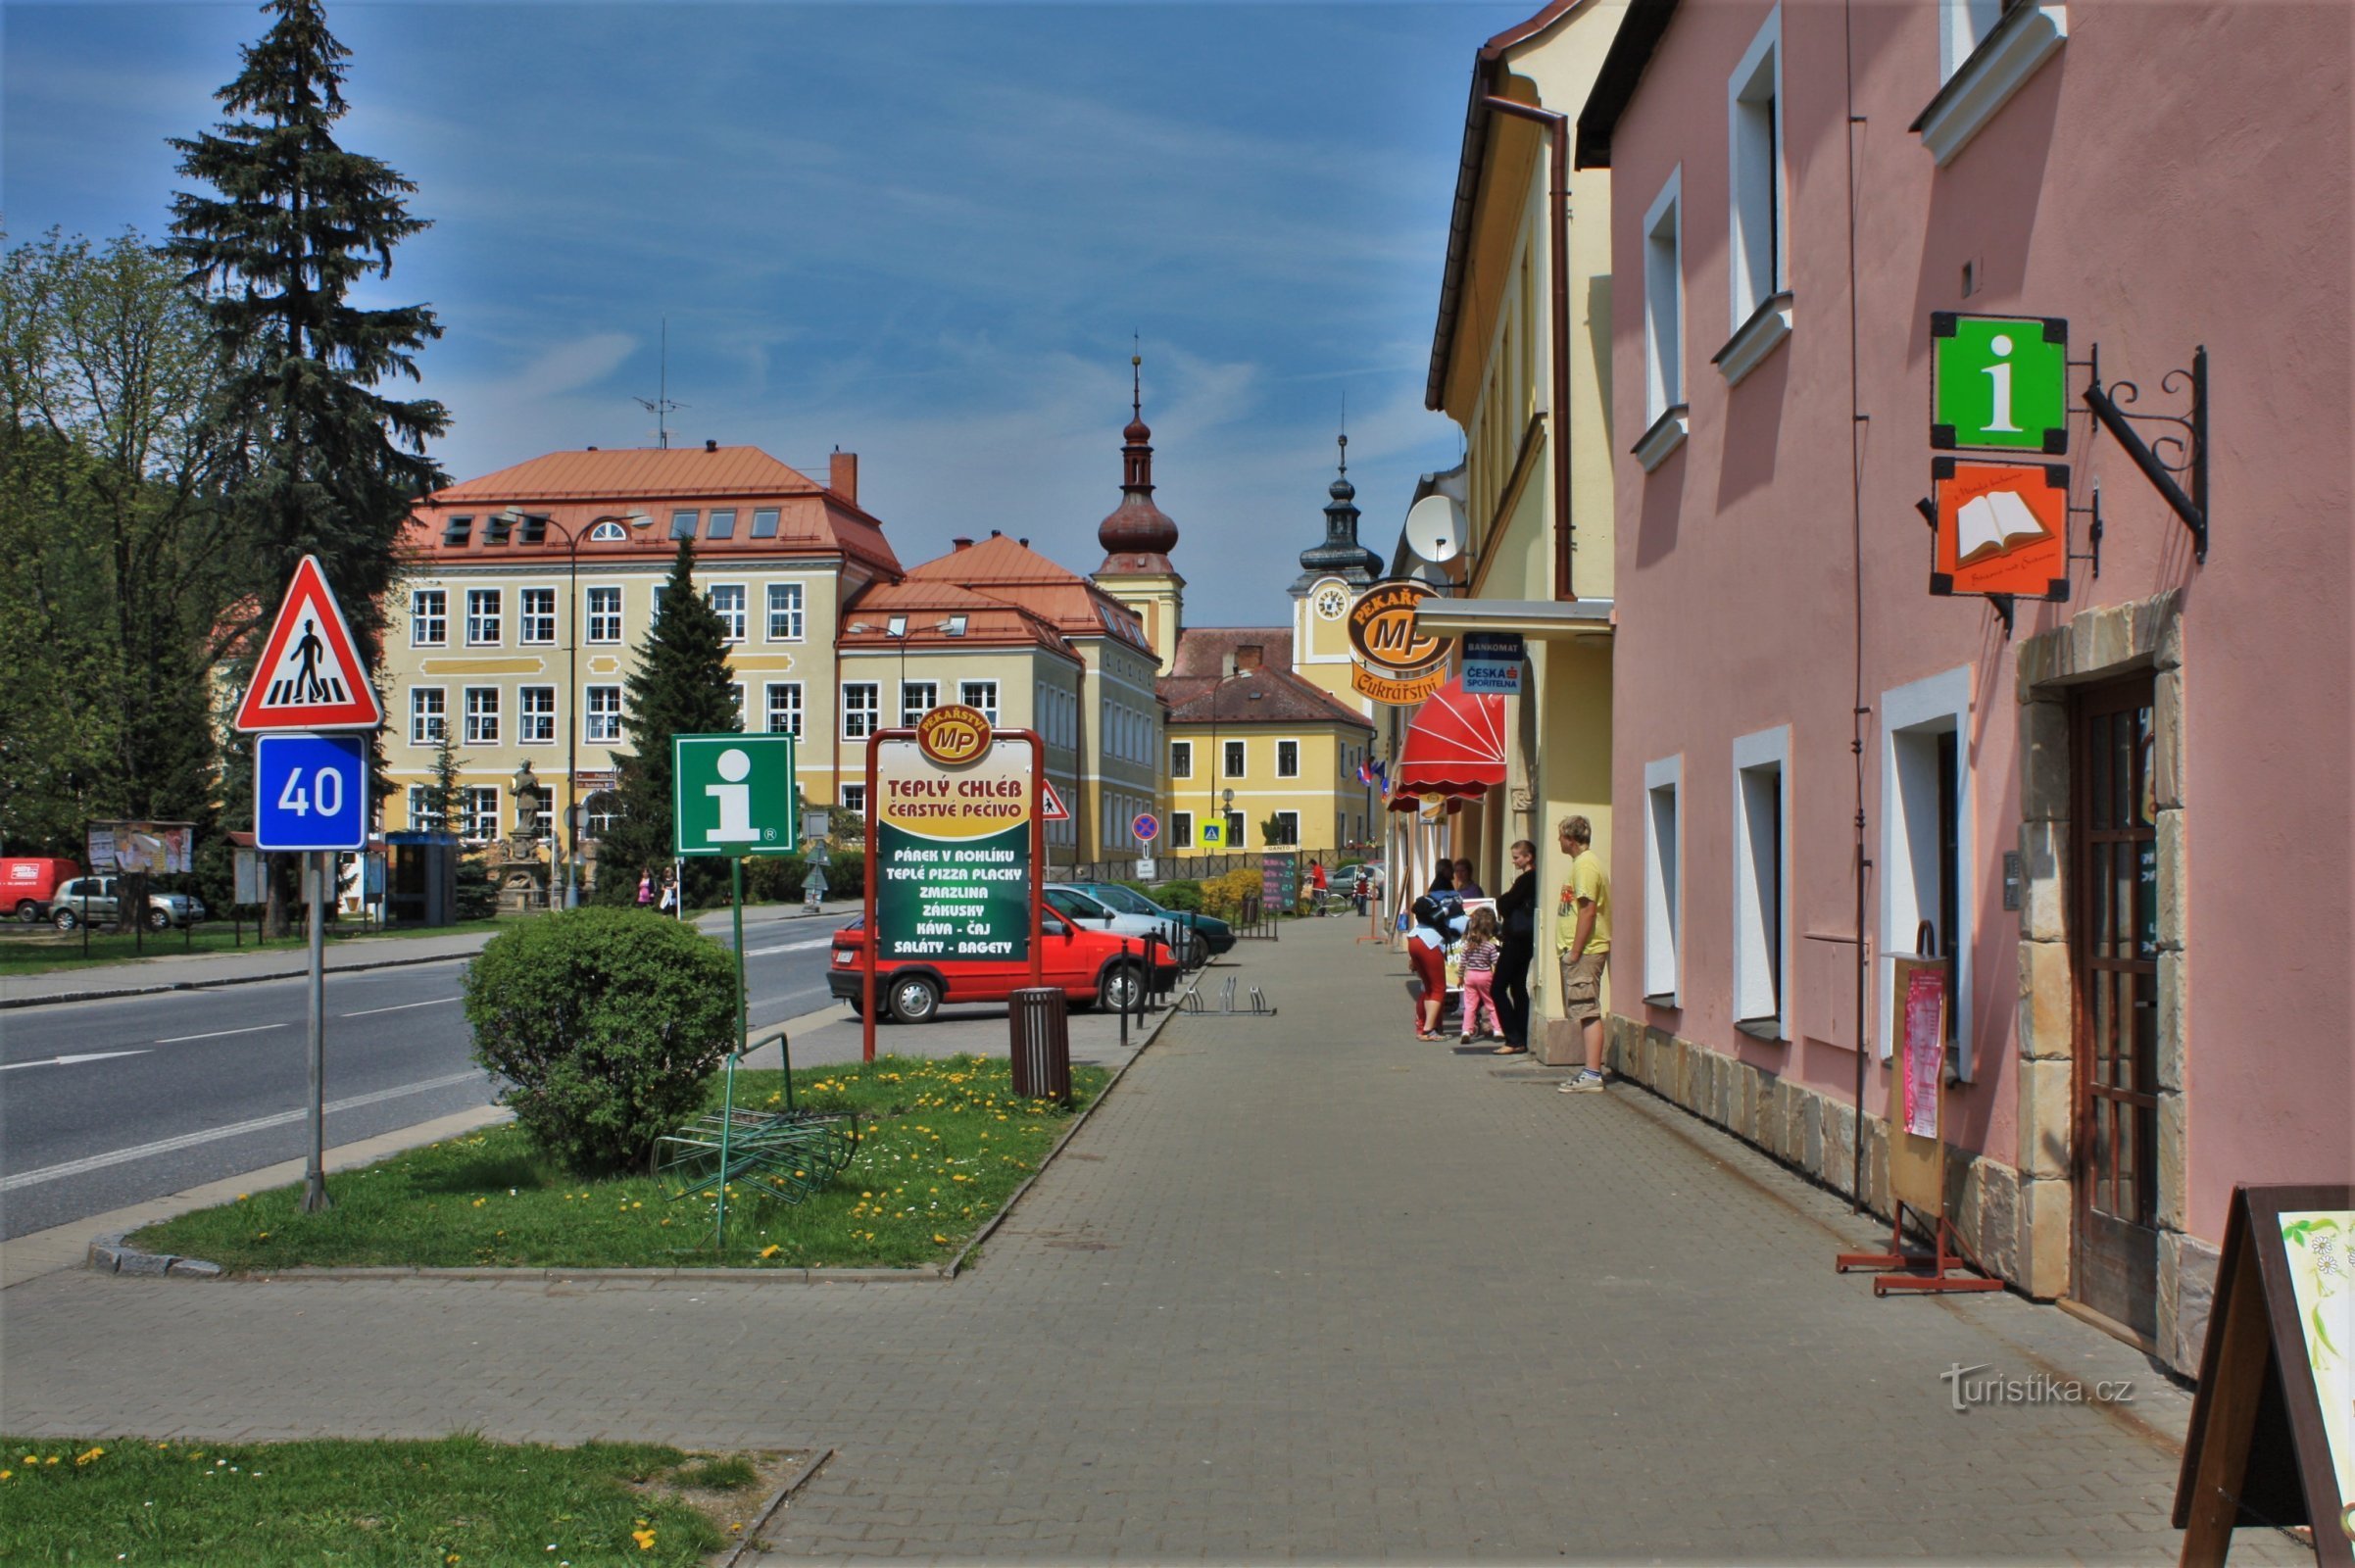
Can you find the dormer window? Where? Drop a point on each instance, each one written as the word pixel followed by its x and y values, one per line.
pixel 495 528
pixel 534 530
pixel 607 532
pixel 456 530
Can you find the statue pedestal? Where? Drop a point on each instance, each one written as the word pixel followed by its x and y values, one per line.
pixel 522 886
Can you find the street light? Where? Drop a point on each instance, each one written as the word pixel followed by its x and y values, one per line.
pixel 569 847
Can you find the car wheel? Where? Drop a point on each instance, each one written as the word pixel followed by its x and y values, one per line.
pixel 159 920
pixel 914 1000
pixel 1196 952
pixel 30 912
pixel 64 921
pixel 1118 988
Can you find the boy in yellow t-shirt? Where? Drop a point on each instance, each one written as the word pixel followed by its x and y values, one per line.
pixel 1582 934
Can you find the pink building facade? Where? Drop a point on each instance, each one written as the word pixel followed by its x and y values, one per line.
pixel 2124 818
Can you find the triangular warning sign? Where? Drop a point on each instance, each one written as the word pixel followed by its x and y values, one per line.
pixel 1056 811
pixel 310 677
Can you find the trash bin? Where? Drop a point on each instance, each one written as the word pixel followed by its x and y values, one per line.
pixel 1041 1025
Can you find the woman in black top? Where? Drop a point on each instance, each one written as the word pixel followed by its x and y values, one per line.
pixel 1517 920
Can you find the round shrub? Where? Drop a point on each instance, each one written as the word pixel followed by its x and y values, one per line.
pixel 605 1024
pixel 1223 896
pixel 1181 896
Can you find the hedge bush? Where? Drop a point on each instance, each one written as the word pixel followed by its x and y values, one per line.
pixel 1223 896
pixel 1186 896
pixel 606 1026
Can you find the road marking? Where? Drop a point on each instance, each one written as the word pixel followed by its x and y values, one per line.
pixel 789 947
pixel 122 1157
pixel 67 1062
pixel 398 1006
pixel 178 1039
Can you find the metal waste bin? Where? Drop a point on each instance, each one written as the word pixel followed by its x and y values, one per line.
pixel 1041 1024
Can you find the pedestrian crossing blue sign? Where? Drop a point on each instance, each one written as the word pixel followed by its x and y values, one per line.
pixel 310 792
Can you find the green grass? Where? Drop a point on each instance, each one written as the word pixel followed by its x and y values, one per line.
pixel 40 951
pixel 942 1144
pixel 455 1501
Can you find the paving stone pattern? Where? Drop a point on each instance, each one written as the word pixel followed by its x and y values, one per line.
pixel 1303 1289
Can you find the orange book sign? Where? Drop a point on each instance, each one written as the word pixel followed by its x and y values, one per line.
pixel 2002 529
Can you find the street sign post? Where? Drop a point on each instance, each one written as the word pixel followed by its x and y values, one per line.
pixel 1147 827
pixel 310 792
pixel 733 795
pixel 311 795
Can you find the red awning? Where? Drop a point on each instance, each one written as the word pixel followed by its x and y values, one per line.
pixel 1455 747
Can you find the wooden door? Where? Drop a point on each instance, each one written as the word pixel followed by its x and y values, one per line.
pixel 2114 949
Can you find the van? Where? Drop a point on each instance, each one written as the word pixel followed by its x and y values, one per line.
pixel 26 885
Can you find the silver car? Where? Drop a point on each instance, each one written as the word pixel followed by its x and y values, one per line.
pixel 95 899
pixel 1083 909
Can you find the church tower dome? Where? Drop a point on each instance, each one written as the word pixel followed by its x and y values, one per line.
pixel 1341 554
pixel 1137 535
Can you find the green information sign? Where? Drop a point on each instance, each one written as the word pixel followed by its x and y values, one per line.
pixel 1999 381
pixel 733 795
pixel 953 863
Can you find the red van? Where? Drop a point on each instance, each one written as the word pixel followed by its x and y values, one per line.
pixel 27 885
pixel 1089 967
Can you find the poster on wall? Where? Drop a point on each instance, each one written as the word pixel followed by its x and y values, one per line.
pixel 953 851
pixel 1924 1055
pixel 155 848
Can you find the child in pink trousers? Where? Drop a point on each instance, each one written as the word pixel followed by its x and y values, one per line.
pixel 1481 949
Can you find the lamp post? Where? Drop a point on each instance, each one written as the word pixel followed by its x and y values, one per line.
pixel 569 845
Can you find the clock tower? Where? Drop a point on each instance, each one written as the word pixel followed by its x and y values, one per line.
pixel 1333 574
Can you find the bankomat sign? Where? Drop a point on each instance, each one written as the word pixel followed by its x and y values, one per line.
pixel 1396 660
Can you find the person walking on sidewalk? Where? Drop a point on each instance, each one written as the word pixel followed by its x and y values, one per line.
pixel 646 886
pixel 1480 976
pixel 1583 921
pixel 1518 917
pixel 1317 883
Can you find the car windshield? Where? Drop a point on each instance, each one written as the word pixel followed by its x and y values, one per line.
pixel 1076 903
pixel 1128 899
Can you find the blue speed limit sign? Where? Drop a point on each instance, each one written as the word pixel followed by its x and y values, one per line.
pixel 310 792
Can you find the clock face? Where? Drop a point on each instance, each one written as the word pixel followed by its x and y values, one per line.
pixel 1331 602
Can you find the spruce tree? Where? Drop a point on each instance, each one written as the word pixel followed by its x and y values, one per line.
pixel 320 462
pixel 681 686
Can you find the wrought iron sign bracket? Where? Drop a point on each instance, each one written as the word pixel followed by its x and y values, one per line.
pixel 2003 605
pixel 2168 456
pixel 2093 531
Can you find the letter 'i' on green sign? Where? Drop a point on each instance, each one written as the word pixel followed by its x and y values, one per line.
pixel 733 795
pixel 1999 381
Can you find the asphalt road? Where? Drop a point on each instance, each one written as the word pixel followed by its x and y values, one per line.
pixel 104 1103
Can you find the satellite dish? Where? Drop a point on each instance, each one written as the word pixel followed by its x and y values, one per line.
pixel 1434 528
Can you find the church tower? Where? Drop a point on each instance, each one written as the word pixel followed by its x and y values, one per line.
pixel 1333 573
pixel 1138 536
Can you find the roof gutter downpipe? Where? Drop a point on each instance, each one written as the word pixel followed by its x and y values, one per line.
pixel 1557 152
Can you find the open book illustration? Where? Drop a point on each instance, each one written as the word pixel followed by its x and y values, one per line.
pixel 1994 525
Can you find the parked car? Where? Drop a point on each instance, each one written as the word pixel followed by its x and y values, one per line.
pixel 1208 935
pixel 1085 908
pixel 1344 878
pixel 94 898
pixel 1088 966
pixel 29 883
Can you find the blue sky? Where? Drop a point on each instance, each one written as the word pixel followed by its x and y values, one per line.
pixel 921 232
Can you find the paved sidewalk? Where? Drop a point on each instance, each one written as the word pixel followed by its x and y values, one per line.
pixel 1303 1289
pixel 182 971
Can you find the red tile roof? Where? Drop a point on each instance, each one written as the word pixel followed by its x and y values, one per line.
pixel 988 622
pixel 1265 696
pixel 1206 650
pixel 1006 569
pixel 573 487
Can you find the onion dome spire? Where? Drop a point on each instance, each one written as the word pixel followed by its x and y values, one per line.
pixel 1341 554
pixel 1137 535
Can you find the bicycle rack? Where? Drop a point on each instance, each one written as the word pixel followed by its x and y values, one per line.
pixel 1259 1007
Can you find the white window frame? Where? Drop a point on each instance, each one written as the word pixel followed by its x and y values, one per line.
pixel 1236 830
pixel 1912 717
pixel 733 623
pixel 1663 883
pixel 1962 26
pixel 1180 759
pixel 1181 830
pixel 438 618
pixel 1665 417
pixel 524 616
pixel 1288 830
pixel 605 626
pixel 1757 206
pixel 854 798
pixel 1980 69
pixel 771 709
pixel 429 734
pixel 525 716
pixel 1294 771
pixel 981 695
pixel 909 710
pixel 472 813
pixel 481 720
pixel 1226 756
pixel 870 710
pixel 788 602
pixel 1761 994
pixel 495 618
pixel 421 817
pixel 594 719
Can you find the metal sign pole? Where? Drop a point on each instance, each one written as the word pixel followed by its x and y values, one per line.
pixel 315 1176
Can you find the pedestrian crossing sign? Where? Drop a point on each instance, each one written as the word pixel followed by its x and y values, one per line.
pixel 310 677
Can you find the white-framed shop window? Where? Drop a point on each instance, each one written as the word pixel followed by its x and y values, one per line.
pixel 1762 882
pixel 1663 891
pixel 1925 857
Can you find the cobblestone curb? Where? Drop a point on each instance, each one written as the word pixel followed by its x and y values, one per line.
pixel 748 1541
pixel 111 1254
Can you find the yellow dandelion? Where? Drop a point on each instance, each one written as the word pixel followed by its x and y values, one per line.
pixel 644 1537
pixel 770 1250
pixel 90 1457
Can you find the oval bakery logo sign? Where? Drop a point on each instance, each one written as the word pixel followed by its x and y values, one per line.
pixel 1397 663
pixel 954 735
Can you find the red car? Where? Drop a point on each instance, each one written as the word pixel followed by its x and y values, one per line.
pixel 1089 967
